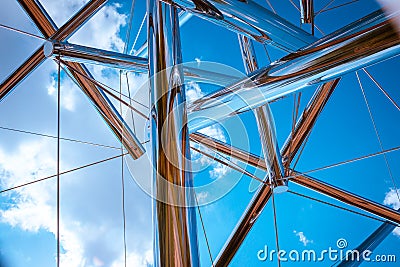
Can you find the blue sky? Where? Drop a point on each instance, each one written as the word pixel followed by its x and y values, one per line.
pixel 91 214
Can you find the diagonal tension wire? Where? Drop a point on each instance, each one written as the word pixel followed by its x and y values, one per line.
pixel 58 159
pixel 338 6
pixel 61 173
pixel 204 229
pixel 382 89
pixel 276 228
pixel 55 137
pixel 340 207
pixel 22 32
pixel 234 166
pixel 377 135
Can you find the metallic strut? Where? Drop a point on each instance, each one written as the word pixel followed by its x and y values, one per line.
pixel 97 96
pixel 313 65
pixel 250 19
pixel 83 54
pixel 265 122
pixel 174 216
pixel 307 11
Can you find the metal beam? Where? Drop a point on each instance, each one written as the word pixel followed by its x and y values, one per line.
pixel 250 19
pixel 265 123
pixel 313 65
pixel 83 54
pixel 346 197
pixel 174 216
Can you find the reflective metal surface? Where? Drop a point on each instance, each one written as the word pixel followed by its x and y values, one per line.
pixel 250 19
pixel 297 70
pixel 265 123
pixel 83 54
pixel 347 197
pixel 307 11
pixel 175 230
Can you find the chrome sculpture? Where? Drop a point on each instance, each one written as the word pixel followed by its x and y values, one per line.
pixel 174 123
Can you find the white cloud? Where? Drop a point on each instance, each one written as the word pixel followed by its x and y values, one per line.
pixel 69 92
pixel 302 238
pixel 392 199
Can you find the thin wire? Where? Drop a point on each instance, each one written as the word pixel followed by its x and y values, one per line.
pixel 276 228
pixel 266 51
pixel 341 5
pixel 137 35
pixel 270 5
pixel 61 173
pixel 128 32
pixel 383 90
pixel 122 177
pixel 204 229
pixel 104 89
pixel 293 4
pixel 339 207
pixel 325 7
pixel 55 137
pixel 58 160
pixel 378 136
pixel 22 32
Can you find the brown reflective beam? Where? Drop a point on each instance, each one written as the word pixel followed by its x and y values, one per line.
pixel 39 16
pixel 346 197
pixel 174 217
pixel 229 150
